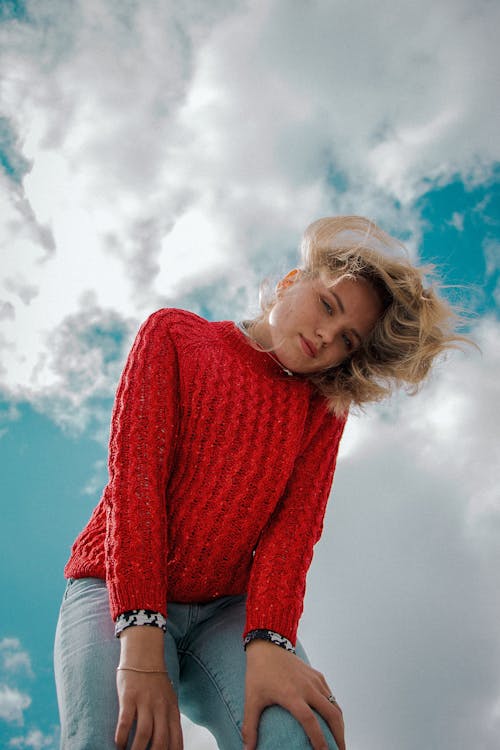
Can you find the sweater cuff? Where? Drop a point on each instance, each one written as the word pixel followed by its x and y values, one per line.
pixel 268 635
pixel 139 617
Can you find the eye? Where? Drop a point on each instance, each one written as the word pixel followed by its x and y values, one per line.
pixel 347 342
pixel 327 306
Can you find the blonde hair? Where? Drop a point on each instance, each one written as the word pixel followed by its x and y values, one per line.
pixel 416 325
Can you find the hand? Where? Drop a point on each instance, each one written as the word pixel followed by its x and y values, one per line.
pixel 146 697
pixel 276 676
pixel 151 700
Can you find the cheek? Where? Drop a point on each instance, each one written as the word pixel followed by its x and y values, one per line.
pixel 280 313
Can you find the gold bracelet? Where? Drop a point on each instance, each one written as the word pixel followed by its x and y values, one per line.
pixel 145 671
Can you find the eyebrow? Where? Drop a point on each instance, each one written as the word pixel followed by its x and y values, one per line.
pixel 342 310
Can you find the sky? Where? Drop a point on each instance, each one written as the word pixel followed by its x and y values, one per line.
pixel 161 153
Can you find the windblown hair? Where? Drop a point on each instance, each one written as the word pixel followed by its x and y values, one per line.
pixel 416 324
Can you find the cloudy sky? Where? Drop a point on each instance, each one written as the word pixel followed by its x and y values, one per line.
pixel 169 153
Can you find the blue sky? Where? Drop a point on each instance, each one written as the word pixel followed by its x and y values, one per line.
pixel 159 154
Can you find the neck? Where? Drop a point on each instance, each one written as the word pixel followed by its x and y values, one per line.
pixel 256 334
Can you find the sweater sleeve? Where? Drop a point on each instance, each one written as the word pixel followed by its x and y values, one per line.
pixel 142 441
pixel 285 549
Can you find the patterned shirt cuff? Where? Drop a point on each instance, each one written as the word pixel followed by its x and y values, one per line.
pixel 268 635
pixel 139 617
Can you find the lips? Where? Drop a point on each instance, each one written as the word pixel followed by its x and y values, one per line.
pixel 308 347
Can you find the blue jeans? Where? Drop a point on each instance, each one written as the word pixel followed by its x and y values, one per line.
pixel 205 661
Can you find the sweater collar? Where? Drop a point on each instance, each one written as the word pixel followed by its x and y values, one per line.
pixel 260 361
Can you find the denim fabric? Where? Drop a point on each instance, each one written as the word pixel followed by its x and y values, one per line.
pixel 205 661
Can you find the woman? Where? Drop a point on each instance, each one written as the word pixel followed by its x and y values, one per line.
pixel 222 452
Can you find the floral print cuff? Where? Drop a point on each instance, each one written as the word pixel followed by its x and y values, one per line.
pixel 268 635
pixel 139 617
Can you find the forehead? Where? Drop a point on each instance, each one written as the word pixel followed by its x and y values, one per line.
pixel 346 282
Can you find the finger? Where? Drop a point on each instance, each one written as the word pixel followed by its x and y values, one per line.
pixel 311 726
pixel 161 736
pixel 332 714
pixel 338 732
pixel 323 683
pixel 333 702
pixel 123 727
pixel 250 726
pixel 175 735
pixel 143 732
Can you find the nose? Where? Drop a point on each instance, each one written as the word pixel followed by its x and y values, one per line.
pixel 327 332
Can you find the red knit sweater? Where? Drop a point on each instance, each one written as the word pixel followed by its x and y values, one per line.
pixel 220 468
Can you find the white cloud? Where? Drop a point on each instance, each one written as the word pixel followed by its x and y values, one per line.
pixel 383 104
pixel 12 704
pixel 9 643
pixel 15 670
pixel 97 480
pixel 16 662
pixel 36 740
pixel 76 365
pixel 457 221
pixel 7 310
pixel 13 658
pixel 492 256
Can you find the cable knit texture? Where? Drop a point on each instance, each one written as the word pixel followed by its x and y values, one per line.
pixel 220 467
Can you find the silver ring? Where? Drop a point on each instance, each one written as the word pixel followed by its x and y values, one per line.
pixel 332 699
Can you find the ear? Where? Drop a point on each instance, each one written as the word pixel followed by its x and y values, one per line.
pixel 291 277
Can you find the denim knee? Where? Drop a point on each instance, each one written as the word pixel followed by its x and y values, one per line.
pixel 279 729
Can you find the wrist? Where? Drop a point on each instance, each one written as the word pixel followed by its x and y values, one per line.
pixel 148 670
pixel 142 647
pixel 270 636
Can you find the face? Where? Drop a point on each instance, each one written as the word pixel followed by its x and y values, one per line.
pixel 316 324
